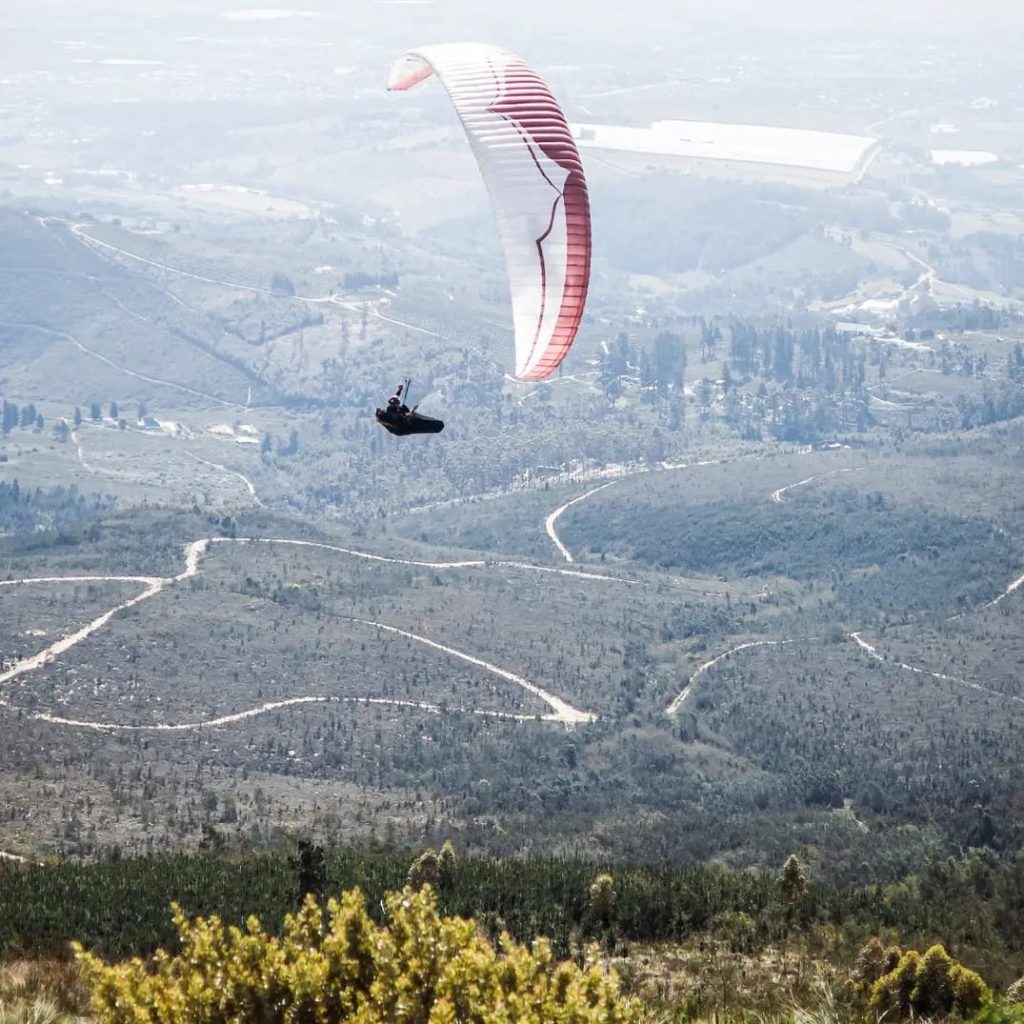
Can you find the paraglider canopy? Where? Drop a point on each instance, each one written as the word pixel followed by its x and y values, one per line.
pixel 532 169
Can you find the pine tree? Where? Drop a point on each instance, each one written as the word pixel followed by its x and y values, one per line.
pixel 446 865
pixel 793 883
pixel 601 897
pixel 10 417
pixel 424 870
pixel 311 870
pixel 872 962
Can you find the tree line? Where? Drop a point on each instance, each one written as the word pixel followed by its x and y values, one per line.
pixel 975 904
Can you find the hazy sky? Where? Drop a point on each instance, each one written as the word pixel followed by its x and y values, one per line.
pixel 863 17
pixel 780 55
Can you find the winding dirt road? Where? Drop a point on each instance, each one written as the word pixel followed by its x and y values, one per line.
pixel 153 587
pixel 627 471
pixel 929 275
pixel 869 649
pixel 229 472
pixel 80 451
pixel 64 335
pixel 620 473
pixel 872 652
pixel 680 699
pixel 549 523
pixel 776 496
pixel 578 574
pixel 276 705
pixel 1014 586
pixel 561 712
pixel 90 241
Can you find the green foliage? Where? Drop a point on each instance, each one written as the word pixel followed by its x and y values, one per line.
pixel 311 871
pixel 793 882
pixel 872 962
pixel 281 284
pixel 601 896
pixel 933 985
pixel 737 929
pixel 932 994
pixel 424 870
pixel 434 868
pixel 1000 1011
pixel 48 515
pixel 446 865
pixel 42 908
pixel 847 530
pixel 893 955
pixel 728 227
pixel 1015 993
pixel 421 968
pixel 970 992
pixel 890 995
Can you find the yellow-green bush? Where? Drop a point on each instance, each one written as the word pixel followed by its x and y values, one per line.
pixel 420 968
pixel 933 985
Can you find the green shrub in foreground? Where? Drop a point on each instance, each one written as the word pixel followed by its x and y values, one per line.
pixel 419 967
pixel 1000 1011
pixel 934 985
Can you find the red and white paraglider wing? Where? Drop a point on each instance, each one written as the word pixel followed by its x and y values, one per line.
pixel 534 176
